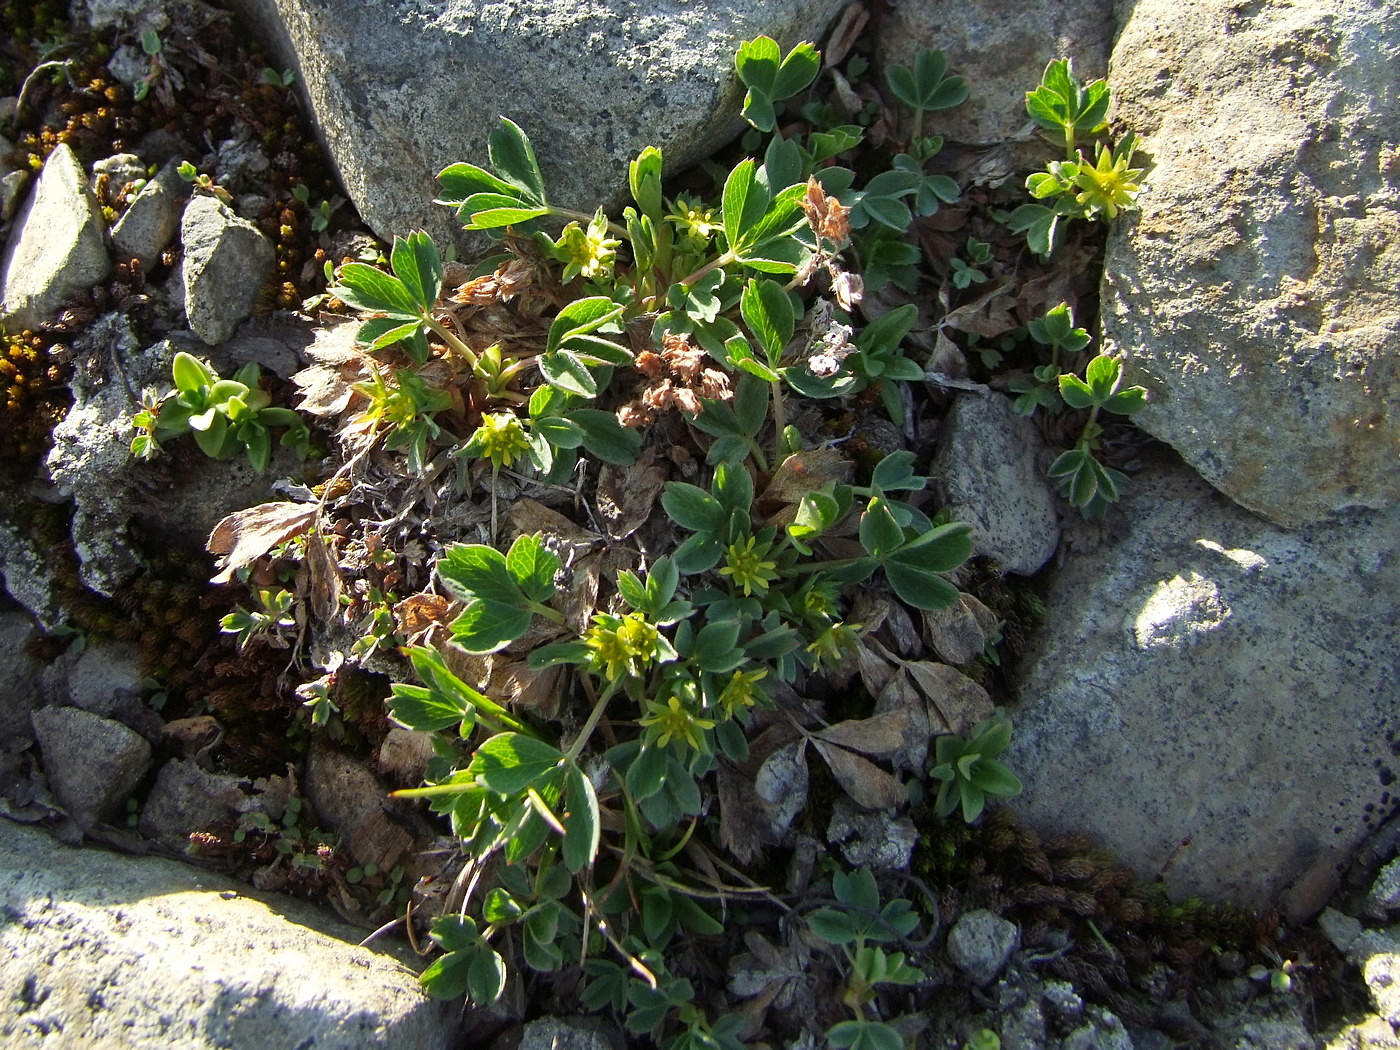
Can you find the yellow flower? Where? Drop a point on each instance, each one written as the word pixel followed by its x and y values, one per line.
pixel 588 253
pixel 832 644
pixel 697 223
pixel 740 692
pixel 1107 185
pixel 500 438
pixel 748 567
pixel 623 646
pixel 673 720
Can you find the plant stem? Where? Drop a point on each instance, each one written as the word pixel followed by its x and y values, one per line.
pixel 779 419
pixel 448 337
pixel 714 264
pixel 566 213
pixel 593 717
pixel 914 136
pixel 553 615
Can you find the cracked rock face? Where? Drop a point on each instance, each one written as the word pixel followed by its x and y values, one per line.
pixel 402 89
pixel 1257 293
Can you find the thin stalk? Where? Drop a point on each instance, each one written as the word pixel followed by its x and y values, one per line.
pixel 450 338
pixel 779 419
pixel 553 615
pixel 566 213
pixel 714 264
pixel 593 717
pixel 914 136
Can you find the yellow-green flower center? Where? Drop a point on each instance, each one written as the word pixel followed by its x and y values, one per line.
pixel 622 646
pixel 501 438
pixel 673 720
pixel 748 566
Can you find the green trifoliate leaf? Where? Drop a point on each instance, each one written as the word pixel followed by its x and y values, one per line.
pixel 579 318
pixel 895 473
pixel 366 288
pixel 418 266
pixel 692 508
pixel 1076 392
pixel 532 565
pixel 880 200
pixel 1060 102
pixel 605 437
pixel 460 181
pixel 581 821
pixel 927 87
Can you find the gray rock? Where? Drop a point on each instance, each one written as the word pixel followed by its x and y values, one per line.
pixel 90 461
pixel 1382 974
pixel 185 799
pixel 1257 293
pixel 106 950
pixel 877 840
pixel 1373 1033
pixel 398 92
pixel 93 763
pixel 12 182
pixel 980 944
pixel 1001 47
pixel 1282 1034
pixel 561 1033
pixel 121 168
pixel 19 676
pixel 990 473
pixel 1384 896
pixel 102 671
pixel 1206 677
pixel 226 261
pixel 56 247
pixel 27 571
pixel 1103 1032
pixel 350 801
pixel 152 219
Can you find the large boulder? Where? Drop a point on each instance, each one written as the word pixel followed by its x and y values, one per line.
pixel 100 949
pixel 57 245
pixel 1214 697
pixel 400 90
pixel 1257 293
pixel 1001 47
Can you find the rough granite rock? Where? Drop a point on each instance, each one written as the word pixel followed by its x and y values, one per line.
pixel 1213 697
pixel 1001 47
pixel 1257 293
pixel 18 679
pixel 225 263
pixel 400 89
pixel 103 950
pixel 186 799
pixel 56 246
pixel 980 944
pixel 990 473
pixel 152 220
pixel 93 763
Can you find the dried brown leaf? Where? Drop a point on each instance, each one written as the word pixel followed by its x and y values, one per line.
pixel 849 25
pixel 740 813
pixel 878 735
pixel 876 665
pixel 626 496
pixel 246 535
pixel 796 476
pixel 327 383
pixel 989 315
pixel 866 783
pixel 324 578
pixel 954 699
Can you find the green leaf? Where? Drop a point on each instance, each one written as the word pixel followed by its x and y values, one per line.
pixel 1040 224
pixel 1076 392
pixel 835 927
pixel 644 179
pixel 926 87
pixel 717 647
pixel 995 779
pixel 486 976
pixel 768 311
pixel 533 566
pixel 782 165
pixel 606 438
pixel 492 212
pixel 366 288
pixel 582 821
pixel 460 181
pixel 559 432
pixel 767 244
pixel 564 371
pixel 692 508
pixel 509 763
pixel 739 354
pixel 379 332
pixel 472 570
pixel 647 773
pixel 418 266
pixel 514 160
pixel 743 202
pixel 579 318
pixel 879 532
pixel 1103 374
pixel 190 374
pixel 895 473
pixel 1125 402
pixel 798 70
